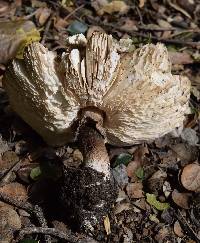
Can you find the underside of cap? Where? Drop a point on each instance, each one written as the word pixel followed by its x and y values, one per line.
pixel 36 94
pixel 135 90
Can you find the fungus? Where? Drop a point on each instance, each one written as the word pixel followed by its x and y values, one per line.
pixel 97 92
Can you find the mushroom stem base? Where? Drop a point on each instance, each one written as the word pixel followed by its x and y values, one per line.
pixel 89 191
pixel 88 198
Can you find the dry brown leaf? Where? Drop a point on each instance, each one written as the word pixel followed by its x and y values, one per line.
pixel 163 23
pixel 185 152
pixel 134 190
pixel 9 222
pixel 9 159
pixel 129 25
pixel 121 196
pixel 166 25
pixel 180 58
pixel 116 6
pixel 141 3
pixel 163 141
pixel 4 6
pixel 107 225
pixel 178 230
pixel 142 203
pixel 15 190
pixel 132 168
pixel 140 153
pixel 60 23
pixel 164 232
pixel 120 207
pixel 42 15
pixel 38 4
pixel 98 5
pixel 156 181
pixel 104 6
pixel 190 136
pixel 181 199
pixel 190 177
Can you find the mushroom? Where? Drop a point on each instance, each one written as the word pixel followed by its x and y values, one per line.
pixel 99 91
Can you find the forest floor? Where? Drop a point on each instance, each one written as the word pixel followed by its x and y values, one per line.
pixel 159 182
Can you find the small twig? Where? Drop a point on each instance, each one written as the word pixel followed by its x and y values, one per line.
pixel 46 231
pixel 40 216
pixel 74 11
pixel 16 203
pixel 178 8
pixel 59 5
pixel 69 237
pixel 27 17
pixel 185 224
pixel 169 41
pixel 140 15
pixel 183 32
pixel 59 47
pixel 46 30
pixel 4 178
pixel 151 28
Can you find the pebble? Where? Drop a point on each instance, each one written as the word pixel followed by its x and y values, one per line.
pixel 134 190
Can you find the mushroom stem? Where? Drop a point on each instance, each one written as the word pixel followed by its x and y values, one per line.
pixel 90 191
pixel 92 145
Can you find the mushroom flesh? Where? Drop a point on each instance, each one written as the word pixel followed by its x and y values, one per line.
pixel 99 91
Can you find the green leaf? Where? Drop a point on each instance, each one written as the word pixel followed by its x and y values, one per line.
pixel 28 241
pixel 153 218
pixel 172 48
pixel 151 199
pixel 77 27
pixel 47 169
pixel 123 158
pixel 140 173
pixel 15 36
pixel 35 173
pixel 67 3
pixel 27 38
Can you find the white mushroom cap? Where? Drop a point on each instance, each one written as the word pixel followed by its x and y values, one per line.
pixel 140 97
